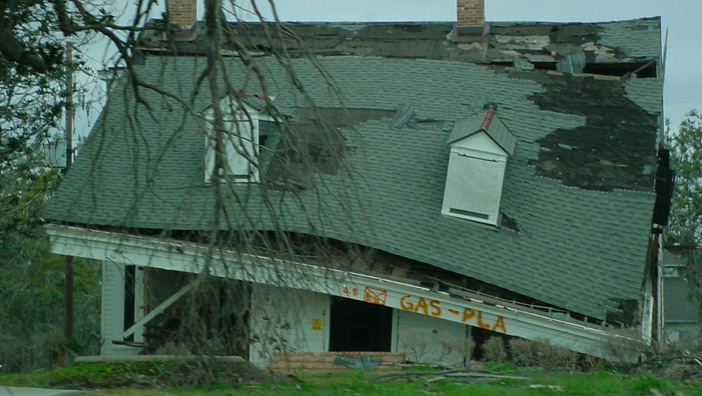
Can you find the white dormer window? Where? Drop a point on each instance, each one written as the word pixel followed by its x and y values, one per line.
pixel 480 147
pixel 240 143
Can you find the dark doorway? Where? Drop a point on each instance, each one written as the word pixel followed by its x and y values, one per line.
pixel 359 326
pixel 129 297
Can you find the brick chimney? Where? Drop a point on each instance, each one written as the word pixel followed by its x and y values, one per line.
pixel 182 12
pixel 470 21
pixel 470 13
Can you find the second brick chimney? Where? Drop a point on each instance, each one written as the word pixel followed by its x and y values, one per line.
pixel 182 12
pixel 470 21
pixel 470 13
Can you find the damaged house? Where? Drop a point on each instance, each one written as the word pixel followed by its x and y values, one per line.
pixel 381 187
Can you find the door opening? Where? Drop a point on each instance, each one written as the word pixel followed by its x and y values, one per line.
pixel 359 326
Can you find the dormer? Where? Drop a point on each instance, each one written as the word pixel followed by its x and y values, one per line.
pixel 241 141
pixel 480 147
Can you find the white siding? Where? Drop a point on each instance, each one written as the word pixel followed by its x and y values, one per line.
pixel 287 320
pixel 430 340
pixel 112 315
pixel 474 180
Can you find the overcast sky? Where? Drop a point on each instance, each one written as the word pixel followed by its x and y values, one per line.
pixel 683 84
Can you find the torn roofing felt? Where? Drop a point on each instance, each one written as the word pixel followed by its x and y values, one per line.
pixel 613 147
pixel 576 248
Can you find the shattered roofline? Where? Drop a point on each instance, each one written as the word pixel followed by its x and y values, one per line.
pixel 542 44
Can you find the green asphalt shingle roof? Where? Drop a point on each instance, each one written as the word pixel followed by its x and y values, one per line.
pixel 575 248
pixel 496 130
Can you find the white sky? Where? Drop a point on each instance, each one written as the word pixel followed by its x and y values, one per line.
pixel 683 19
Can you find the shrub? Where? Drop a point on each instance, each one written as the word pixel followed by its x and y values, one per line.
pixel 539 353
pixel 428 346
pixel 32 307
pixel 494 349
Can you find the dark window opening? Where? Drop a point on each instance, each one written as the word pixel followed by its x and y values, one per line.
pixel 262 140
pixel 129 298
pixel 359 326
pixel 269 136
pixel 641 69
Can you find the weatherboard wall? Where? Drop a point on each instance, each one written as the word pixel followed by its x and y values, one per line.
pixel 286 320
pixel 430 340
pixel 299 321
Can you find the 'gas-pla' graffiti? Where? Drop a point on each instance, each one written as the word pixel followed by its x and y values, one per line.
pixel 433 308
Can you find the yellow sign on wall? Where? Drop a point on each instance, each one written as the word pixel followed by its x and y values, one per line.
pixel 316 324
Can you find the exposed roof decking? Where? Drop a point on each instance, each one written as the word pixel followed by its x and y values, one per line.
pixel 635 41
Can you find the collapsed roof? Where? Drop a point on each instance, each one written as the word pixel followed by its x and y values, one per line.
pixel 578 192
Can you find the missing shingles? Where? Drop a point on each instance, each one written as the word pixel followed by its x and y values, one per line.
pixel 617 132
pixel 509 223
pixel 314 143
pixel 580 33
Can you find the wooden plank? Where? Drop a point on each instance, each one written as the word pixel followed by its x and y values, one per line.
pixel 324 361
pixel 385 357
pixel 304 366
pixel 281 367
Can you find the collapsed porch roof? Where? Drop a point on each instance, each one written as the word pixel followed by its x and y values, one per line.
pixel 195 258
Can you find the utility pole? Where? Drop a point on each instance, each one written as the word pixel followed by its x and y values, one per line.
pixel 68 286
pixel 69 107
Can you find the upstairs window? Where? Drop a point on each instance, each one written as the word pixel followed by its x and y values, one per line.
pixel 240 144
pixel 480 147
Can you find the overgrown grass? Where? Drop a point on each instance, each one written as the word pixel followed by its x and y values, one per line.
pixel 601 382
pixel 148 374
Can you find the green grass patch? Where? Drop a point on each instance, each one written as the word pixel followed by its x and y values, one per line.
pixel 148 374
pixel 172 378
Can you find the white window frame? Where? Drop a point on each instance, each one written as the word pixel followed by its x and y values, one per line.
pixel 241 145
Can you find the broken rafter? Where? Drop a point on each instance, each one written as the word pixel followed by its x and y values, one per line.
pixel 642 68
